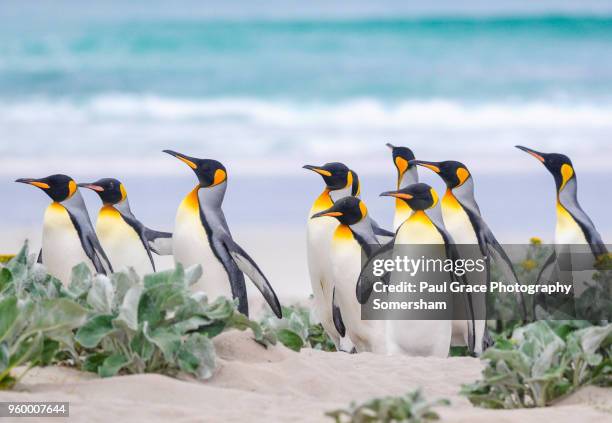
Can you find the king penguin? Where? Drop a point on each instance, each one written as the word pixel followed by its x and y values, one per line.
pixel 202 236
pixel 353 239
pixel 423 227
pixel 463 220
pixel 127 242
pixel 574 227
pixel 340 182
pixel 407 174
pixel 68 237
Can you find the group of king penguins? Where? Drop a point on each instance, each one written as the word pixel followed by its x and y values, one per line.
pixel 341 232
pixel 120 241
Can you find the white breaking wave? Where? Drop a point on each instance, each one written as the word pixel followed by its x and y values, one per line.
pixel 275 136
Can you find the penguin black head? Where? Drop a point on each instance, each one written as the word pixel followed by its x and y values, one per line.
pixel 418 196
pixel 209 172
pixel 348 211
pixel 58 187
pixel 559 165
pixel 454 174
pixel 401 158
pixel 337 176
pixel 110 190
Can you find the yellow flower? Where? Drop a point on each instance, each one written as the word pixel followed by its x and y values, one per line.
pixel 5 257
pixel 535 240
pixel 529 264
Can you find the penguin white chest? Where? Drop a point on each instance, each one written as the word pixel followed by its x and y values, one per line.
pixel 191 246
pixel 568 231
pixel 457 221
pixel 121 243
pixel 61 245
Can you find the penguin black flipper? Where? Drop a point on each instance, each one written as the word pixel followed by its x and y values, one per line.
pixel 39 259
pixel 159 242
pixel 365 283
pixel 337 316
pixel 91 245
pixel 588 228
pixel 247 265
pixel 379 231
pixel 140 230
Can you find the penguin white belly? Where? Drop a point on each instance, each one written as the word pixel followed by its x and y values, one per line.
pixel 402 213
pixel 459 226
pixel 190 246
pixel 61 246
pixel 571 242
pixel 418 337
pixel 366 335
pixel 121 243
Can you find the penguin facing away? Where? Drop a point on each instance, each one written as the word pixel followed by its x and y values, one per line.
pixel 127 242
pixel 352 238
pixel 202 236
pixel 407 174
pixel 68 237
pixel 423 227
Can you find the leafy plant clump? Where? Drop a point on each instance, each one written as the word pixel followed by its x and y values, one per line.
pixel 411 408
pixel 296 330
pixel 111 324
pixel 543 362
pixel 34 328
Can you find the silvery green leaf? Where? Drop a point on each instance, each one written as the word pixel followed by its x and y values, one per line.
pixel 128 311
pixel 197 356
pixel 100 295
pixel 165 339
pixel 57 314
pixel 193 274
pixel 123 281
pixel 592 338
pixel 80 281
pixel 298 326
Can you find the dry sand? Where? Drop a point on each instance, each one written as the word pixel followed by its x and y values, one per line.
pixel 278 385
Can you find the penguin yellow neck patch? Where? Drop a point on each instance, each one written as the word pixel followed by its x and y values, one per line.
pixel 323 202
pixel 191 202
pixel 343 233
pixel 402 166
pixel 449 201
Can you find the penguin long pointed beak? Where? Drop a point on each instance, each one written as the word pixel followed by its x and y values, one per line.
pixel 318 170
pixel 429 165
pixel 391 146
pixel 33 182
pixel 92 187
pixel 540 156
pixel 396 194
pixel 327 213
pixel 189 161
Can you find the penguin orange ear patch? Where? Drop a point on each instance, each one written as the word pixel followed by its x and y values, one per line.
pixel 220 176
pixel 363 209
pixel 566 173
pixel 72 187
pixel 462 174
pixel 123 192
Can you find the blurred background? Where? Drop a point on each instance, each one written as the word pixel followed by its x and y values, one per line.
pixel 100 89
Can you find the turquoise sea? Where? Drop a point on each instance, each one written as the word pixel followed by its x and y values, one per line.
pixel 100 89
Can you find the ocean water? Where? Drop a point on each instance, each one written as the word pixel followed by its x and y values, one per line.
pixel 266 87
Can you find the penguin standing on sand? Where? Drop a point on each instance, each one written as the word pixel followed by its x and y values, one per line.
pixel 352 238
pixel 127 242
pixel 340 182
pixel 202 236
pixel 574 227
pixel 424 227
pixel 68 236
pixel 407 174
pixel 464 222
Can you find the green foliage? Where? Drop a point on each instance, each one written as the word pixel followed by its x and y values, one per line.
pixel 296 330
pixel 34 327
pixel 111 325
pixel 410 408
pixel 542 362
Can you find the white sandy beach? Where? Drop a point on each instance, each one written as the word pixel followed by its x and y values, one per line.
pixel 279 385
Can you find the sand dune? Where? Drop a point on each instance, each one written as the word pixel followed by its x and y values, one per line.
pixel 278 384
